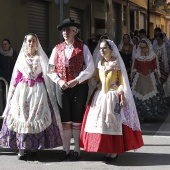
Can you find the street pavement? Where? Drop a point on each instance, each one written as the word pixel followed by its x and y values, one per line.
pixel 154 155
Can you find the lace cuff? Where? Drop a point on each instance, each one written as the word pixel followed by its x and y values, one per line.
pixel 120 89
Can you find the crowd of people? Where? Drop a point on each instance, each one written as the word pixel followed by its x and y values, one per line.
pixel 98 99
pixel 149 71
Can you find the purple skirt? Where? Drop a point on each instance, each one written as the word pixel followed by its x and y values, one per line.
pixel 49 138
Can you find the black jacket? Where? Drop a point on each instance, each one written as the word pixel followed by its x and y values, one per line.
pixel 6 65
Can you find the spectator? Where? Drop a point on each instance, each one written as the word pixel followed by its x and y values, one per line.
pixel 146 87
pixel 156 30
pixel 126 49
pixel 161 48
pixel 8 58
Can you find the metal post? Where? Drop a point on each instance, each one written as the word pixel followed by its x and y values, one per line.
pixel 1 98
pixel 61 17
pixel 6 86
pixel 2 94
pixel 148 18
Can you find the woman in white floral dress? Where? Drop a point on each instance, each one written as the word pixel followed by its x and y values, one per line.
pixel 31 116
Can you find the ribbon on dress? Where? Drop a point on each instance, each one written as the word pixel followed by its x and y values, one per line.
pixel 30 82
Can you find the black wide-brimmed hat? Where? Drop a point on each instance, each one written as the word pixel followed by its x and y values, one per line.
pixel 68 22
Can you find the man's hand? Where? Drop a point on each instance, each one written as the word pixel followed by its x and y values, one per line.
pixel 72 83
pixel 63 84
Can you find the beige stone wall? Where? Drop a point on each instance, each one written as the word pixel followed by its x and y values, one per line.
pixel 141 3
pixel 13 21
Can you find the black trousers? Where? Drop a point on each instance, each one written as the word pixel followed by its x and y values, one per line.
pixel 71 102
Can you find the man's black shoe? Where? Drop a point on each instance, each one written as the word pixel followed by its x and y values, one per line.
pixel 63 156
pixel 75 156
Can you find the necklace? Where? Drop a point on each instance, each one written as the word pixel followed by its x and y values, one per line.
pixel 108 59
pixel 31 55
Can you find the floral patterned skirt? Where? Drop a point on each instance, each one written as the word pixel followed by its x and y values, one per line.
pixel 153 104
pixel 167 87
pixel 49 138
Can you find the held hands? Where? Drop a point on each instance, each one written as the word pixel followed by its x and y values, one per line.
pixel 64 85
pixel 72 83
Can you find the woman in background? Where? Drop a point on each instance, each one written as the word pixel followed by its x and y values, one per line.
pixel 8 57
pixel 161 49
pixel 135 41
pixel 126 49
pixel 146 87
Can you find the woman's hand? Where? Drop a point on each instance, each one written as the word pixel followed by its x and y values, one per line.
pixel 122 100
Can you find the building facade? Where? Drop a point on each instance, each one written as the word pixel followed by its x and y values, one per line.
pixel 97 17
pixel 41 17
pixel 115 17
